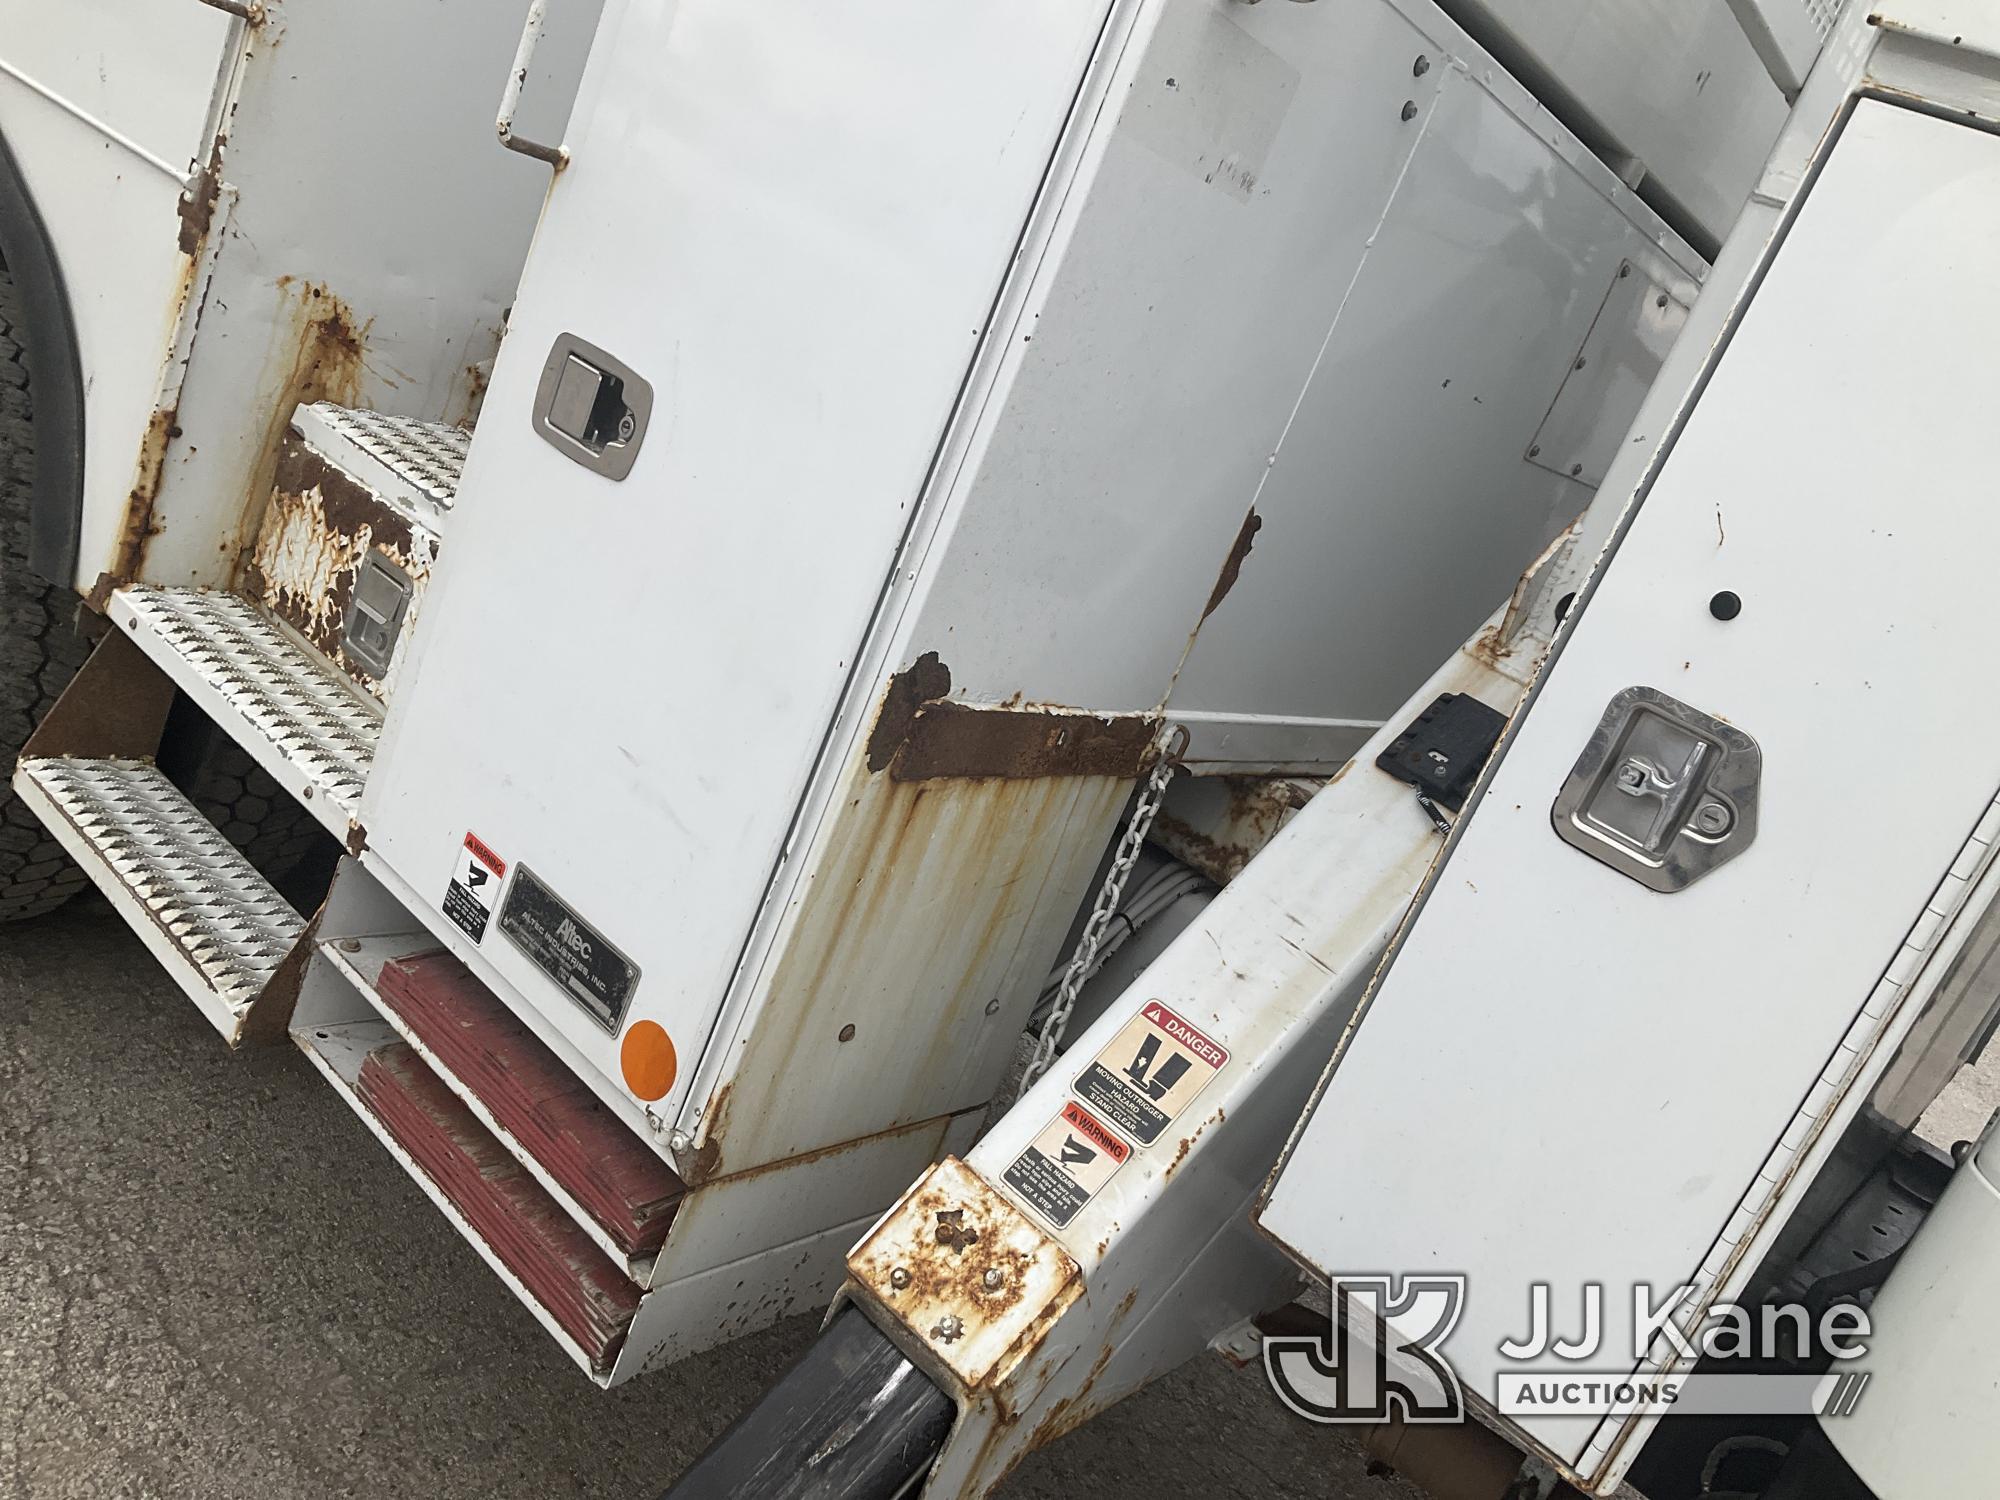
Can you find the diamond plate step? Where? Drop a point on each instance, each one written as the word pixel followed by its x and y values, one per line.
pixel 400 458
pixel 300 719
pixel 215 924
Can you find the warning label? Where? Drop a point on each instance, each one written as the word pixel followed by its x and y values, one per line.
pixel 1150 1072
pixel 475 888
pixel 1071 1159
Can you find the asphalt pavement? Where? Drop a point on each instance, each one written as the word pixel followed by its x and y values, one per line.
pixel 214 1283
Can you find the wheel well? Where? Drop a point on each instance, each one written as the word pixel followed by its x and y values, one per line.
pixel 49 339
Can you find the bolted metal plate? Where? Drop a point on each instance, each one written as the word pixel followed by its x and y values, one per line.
pixel 1592 414
pixel 971 1278
pixel 1663 792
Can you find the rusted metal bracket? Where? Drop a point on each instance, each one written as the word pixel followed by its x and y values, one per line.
pixel 556 156
pixel 966 1283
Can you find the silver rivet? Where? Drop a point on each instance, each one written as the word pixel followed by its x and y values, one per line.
pixel 900 1277
pixel 993 1006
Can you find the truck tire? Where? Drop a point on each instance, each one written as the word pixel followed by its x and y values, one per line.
pixel 40 650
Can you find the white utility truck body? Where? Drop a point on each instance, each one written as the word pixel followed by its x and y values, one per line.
pixel 919 432
pixel 873 463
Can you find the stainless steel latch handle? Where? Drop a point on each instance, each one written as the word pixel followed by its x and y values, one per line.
pixel 510 99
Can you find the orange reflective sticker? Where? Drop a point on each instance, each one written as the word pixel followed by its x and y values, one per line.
pixel 646 1057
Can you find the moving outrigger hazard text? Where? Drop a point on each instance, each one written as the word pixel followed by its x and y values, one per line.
pixel 1151 1071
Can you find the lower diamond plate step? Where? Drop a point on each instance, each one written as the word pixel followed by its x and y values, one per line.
pixel 209 917
pixel 301 720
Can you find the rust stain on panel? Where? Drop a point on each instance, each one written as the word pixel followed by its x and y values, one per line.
pixel 920 735
pixel 139 526
pixel 1220 842
pixel 1232 565
pixel 935 900
pixel 924 681
pixel 957 740
pixel 319 526
pixel 196 209
pixel 323 358
pixel 198 200
pixel 963 840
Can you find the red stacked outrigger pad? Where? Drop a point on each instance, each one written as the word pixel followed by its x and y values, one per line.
pixel 561 1266
pixel 542 1104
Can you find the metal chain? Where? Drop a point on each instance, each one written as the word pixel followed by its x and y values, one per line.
pixel 1173 744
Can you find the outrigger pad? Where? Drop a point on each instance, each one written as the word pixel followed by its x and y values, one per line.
pixel 554 1258
pixel 537 1100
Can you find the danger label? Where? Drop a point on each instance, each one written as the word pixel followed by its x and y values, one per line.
pixel 1150 1072
pixel 475 888
pixel 1067 1164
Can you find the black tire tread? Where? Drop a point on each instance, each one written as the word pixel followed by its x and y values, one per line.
pixel 41 649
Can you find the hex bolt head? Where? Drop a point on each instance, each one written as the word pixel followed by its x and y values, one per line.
pixel 994 1279
pixel 678 1142
pixel 900 1277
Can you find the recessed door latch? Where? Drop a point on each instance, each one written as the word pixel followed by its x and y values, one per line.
pixel 1663 792
pixel 375 613
pixel 592 406
pixel 1443 751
